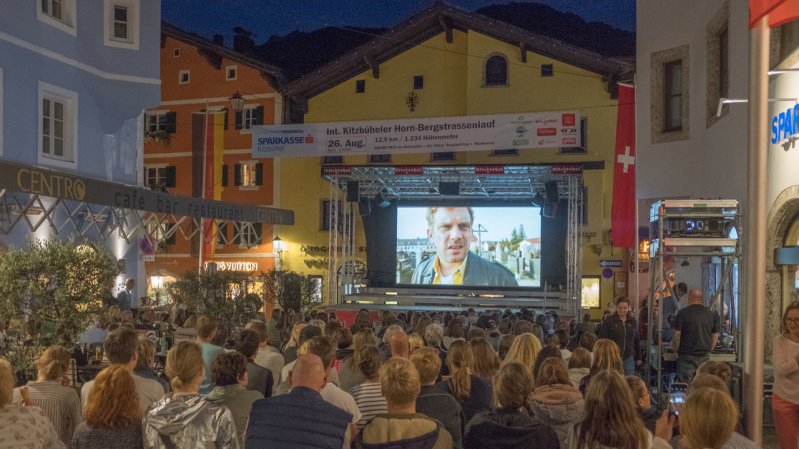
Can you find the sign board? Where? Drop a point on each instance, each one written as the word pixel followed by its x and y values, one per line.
pixel 148 258
pixel 424 135
pixel 610 263
pixel 147 246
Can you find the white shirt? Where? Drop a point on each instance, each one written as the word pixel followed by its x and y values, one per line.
pixel 341 399
pixel 271 359
pixel 786 370
pixel 149 391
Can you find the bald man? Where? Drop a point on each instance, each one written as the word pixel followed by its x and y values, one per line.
pixel 696 332
pixel 300 418
pixel 400 345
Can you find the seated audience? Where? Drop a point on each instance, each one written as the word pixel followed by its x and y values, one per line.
pixel 113 417
pixel 300 418
pixel 524 349
pixel 144 366
pixel 706 380
pixel 708 419
pixel 415 341
pixel 504 346
pixel 643 402
pixel 563 341
pixel 259 378
pixel 293 344
pixel 510 426
pixel 545 353
pixel 722 370
pixel 579 365
pixel 230 389
pixel 350 375
pixel 397 341
pixel 606 357
pixel 267 356
pixel 402 426
pixel 367 395
pixel 555 400
pixel 345 347
pixel 323 348
pixel 434 400
pixel 453 332
pixel 22 426
pixel 121 347
pixel 51 393
pixel 183 419
pixel 472 392
pixel 207 327
pixel 486 361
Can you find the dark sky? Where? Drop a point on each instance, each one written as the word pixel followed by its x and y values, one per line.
pixel 268 17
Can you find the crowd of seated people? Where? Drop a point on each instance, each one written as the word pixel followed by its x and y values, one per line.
pixel 405 380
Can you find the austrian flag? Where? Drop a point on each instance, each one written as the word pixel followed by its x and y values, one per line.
pixel 622 213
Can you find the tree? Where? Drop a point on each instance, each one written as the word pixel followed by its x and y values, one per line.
pixel 522 233
pixel 292 291
pixel 229 296
pixel 49 293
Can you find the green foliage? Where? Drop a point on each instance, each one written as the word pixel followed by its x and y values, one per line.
pixel 292 291
pixel 49 293
pixel 228 295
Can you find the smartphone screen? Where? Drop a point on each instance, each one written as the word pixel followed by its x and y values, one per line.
pixel 677 395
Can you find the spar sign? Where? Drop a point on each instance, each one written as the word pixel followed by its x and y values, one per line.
pixel 425 135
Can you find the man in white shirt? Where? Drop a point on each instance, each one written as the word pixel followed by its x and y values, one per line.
pixel 324 348
pixel 121 346
pixel 267 356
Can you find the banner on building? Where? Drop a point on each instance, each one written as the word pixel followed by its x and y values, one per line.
pixel 622 213
pixel 423 135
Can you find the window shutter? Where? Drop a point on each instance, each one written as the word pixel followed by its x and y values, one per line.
pixel 239 119
pixel 258 118
pixel 237 175
pixel 259 174
pixel 171 240
pixel 225 118
pixel 171 176
pixel 237 233
pixel 259 233
pixel 171 122
pixel 224 172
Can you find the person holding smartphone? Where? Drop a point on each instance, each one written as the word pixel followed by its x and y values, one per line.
pixel 785 400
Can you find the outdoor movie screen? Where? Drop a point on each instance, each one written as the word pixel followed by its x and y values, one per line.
pixel 470 246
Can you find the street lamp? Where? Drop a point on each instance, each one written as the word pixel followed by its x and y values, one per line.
pixel 278 246
pixel 237 102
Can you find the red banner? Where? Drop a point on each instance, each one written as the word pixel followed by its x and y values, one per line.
pixel 779 11
pixel 622 214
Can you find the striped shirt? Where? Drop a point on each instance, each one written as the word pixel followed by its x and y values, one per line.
pixel 369 400
pixel 59 403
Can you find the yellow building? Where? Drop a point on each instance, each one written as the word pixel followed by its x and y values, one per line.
pixel 448 62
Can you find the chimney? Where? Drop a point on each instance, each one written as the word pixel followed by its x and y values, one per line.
pixel 219 39
pixel 243 41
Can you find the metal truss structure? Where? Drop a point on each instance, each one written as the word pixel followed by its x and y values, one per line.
pixel 574 247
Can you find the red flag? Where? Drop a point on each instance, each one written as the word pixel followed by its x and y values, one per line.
pixel 622 214
pixel 779 11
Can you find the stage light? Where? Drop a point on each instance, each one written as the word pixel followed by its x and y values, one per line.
pixel 381 200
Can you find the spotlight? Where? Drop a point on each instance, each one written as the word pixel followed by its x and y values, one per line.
pixel 381 200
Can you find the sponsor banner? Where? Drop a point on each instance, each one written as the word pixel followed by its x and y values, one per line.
pixel 408 170
pixel 489 170
pixel 425 135
pixel 567 169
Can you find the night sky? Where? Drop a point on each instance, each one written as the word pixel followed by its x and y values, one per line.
pixel 269 17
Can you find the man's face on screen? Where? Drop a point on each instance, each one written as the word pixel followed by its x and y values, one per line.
pixel 452 233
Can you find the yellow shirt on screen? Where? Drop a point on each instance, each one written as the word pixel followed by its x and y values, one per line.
pixel 456 277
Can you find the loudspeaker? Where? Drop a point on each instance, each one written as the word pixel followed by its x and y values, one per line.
pixel 551 190
pixel 353 192
pixel 449 188
pixel 364 207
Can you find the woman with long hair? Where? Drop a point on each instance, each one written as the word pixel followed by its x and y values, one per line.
pixel 486 360
pixel 350 375
pixel 22 426
pixel 367 395
pixel 112 416
pixel 182 419
pixel 785 358
pixel 51 392
pixel 708 419
pixel 474 393
pixel 454 331
pixel 579 365
pixel 611 420
pixel 555 400
pixel 524 349
pixel 606 357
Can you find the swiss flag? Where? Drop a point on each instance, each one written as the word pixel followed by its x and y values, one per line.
pixel 622 213
pixel 779 11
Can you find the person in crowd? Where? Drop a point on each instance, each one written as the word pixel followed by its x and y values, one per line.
pixel 267 356
pixel 51 393
pixel 206 331
pixel 416 342
pixel 563 340
pixel 345 347
pixel 527 327
pixel 606 357
pixel 113 418
pixel 126 298
pixel 434 336
pixel 301 418
pixel 293 344
pixel 545 353
pixel 475 332
pixel 587 341
pixel 696 332
pixel 722 370
pixel 350 375
pixel 643 402
pixel 22 426
pixel 681 291
pixel 324 348
pixel 454 331
pixel 471 391
pixel 399 344
pixel 524 349
pixel 486 360
pixel 510 425
pixel 183 419
pixel 622 329
pixel 402 426
pixel 305 336
pixel 504 346
pixel 421 325
pixel 258 378
pixel 221 337
pixel 555 400
pixel 708 419
pixel 331 326
pixel 230 389
pixel 274 330
pixel 121 347
pixel 367 395
pixel 611 420
pixel 706 380
pixel 144 366
pixel 434 400
pixel 579 365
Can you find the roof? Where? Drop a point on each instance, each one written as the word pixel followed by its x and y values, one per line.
pixel 443 18
pixel 272 73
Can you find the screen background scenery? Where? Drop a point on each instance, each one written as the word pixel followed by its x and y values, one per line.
pixel 510 236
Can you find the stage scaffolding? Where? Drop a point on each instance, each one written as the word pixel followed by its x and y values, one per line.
pixel 418 183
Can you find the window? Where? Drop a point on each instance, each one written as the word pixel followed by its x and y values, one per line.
pixel 156 122
pixel 184 77
pixel 221 234
pixel 379 158
pixel 442 156
pixel 718 65
pixel 58 13
pixel 176 53
pixel 249 174
pixel 508 152
pixel 160 177
pixel 247 235
pixel 250 116
pixel 546 70
pixel 231 72
pixel 669 89
pixel 496 71
pixel 122 23
pixel 418 82
pixel 360 86
pixel 58 126
pixel 163 233
pixel 332 159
